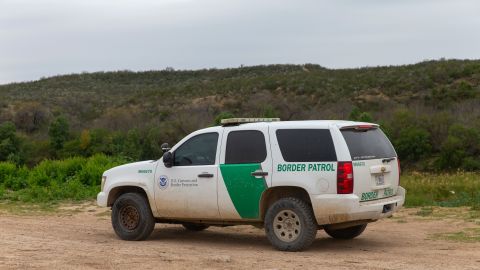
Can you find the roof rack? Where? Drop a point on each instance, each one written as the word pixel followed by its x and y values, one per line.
pixel 238 121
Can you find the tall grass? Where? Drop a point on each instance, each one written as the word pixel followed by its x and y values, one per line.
pixel 444 189
pixel 53 180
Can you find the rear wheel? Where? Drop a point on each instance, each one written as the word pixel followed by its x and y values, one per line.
pixel 290 224
pixel 195 227
pixel 132 218
pixel 346 233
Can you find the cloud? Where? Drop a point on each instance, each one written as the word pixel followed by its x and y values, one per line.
pixel 45 38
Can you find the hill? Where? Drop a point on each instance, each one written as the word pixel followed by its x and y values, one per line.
pixel 427 109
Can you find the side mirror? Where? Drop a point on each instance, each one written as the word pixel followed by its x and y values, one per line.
pixel 165 147
pixel 168 159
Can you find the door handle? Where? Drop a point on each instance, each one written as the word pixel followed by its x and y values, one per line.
pixel 206 175
pixel 259 173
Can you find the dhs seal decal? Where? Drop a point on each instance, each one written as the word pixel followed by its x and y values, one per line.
pixel 163 182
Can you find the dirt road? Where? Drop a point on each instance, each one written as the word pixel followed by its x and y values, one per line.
pixel 82 238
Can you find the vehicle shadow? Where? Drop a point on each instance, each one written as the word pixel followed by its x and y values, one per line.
pixel 257 238
pixel 212 236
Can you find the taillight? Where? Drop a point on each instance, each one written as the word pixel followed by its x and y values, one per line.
pixel 399 170
pixel 344 177
pixel 364 127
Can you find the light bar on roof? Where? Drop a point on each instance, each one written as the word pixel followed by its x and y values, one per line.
pixel 237 121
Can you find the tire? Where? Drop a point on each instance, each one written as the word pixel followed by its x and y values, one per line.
pixel 290 224
pixel 132 217
pixel 195 227
pixel 346 233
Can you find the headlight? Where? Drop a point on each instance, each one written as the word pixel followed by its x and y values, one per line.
pixel 104 179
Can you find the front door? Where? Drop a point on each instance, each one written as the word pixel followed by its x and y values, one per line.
pixel 189 188
pixel 246 171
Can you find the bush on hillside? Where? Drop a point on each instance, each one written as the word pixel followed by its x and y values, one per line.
pixel 74 178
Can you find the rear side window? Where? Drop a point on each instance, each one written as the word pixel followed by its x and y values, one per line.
pixel 245 146
pixel 306 145
pixel 368 144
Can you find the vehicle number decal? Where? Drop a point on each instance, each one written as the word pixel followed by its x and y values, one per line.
pixel 358 163
pixel 367 196
pixel 388 192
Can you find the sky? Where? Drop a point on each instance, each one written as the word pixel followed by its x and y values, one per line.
pixel 43 38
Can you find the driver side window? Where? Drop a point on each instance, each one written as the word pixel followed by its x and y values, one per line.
pixel 198 150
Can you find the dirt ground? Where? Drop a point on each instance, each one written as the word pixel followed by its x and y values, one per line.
pixel 81 237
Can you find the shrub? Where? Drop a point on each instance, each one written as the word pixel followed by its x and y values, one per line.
pixel 357 115
pixel 17 180
pixel 412 144
pixel 223 115
pixel 461 149
pixel 73 178
pixel 91 171
pixel 7 169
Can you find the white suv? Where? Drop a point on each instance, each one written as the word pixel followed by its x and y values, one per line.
pixel 291 177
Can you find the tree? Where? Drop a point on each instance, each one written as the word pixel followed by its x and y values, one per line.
pixel 354 114
pixel 357 115
pixel 365 117
pixel 30 117
pixel 58 132
pixel 10 143
pixel 413 143
pixel 269 112
pixel 85 139
pixel 461 149
pixel 133 145
pixel 222 115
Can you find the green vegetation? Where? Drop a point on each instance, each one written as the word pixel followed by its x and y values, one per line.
pixel 445 189
pixel 468 235
pixel 429 110
pixel 93 121
pixel 54 180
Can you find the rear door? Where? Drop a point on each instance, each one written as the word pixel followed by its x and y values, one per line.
pixel 375 163
pixel 246 171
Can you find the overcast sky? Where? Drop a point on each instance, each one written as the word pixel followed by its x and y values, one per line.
pixel 51 37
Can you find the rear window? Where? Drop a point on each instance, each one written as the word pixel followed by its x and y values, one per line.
pixel 368 144
pixel 306 145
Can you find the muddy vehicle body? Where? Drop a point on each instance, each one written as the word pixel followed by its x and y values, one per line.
pixel 290 177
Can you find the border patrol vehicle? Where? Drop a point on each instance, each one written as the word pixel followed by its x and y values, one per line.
pixel 290 177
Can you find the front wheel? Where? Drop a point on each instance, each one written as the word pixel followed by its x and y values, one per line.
pixel 346 233
pixel 290 224
pixel 132 218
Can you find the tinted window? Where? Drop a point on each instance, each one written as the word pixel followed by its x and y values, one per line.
pixel 198 150
pixel 306 145
pixel 368 144
pixel 245 146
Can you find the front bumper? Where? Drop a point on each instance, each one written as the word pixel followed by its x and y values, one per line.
pixel 333 208
pixel 102 199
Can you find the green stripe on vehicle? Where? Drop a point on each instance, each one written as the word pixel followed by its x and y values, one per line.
pixel 244 189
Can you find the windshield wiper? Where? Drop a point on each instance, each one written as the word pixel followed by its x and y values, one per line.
pixel 387 159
